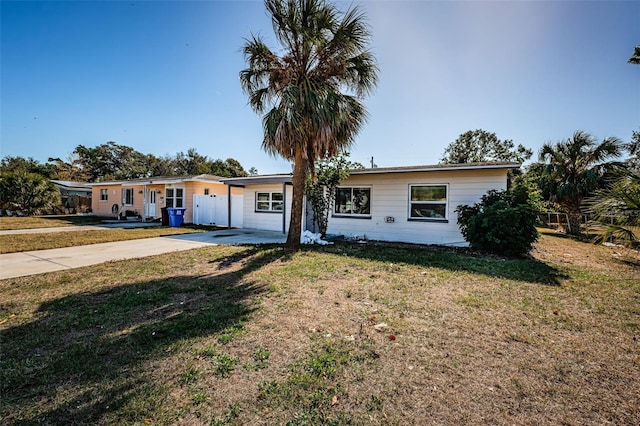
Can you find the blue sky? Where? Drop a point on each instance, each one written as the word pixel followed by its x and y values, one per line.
pixel 162 77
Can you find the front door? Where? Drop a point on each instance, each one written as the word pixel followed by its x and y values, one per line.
pixel 150 208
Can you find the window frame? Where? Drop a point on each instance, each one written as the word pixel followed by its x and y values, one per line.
pixel 352 215
pixel 174 197
pixel 104 194
pixel 410 203
pixel 125 196
pixel 270 202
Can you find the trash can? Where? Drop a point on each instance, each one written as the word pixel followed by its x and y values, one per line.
pixel 165 216
pixel 176 216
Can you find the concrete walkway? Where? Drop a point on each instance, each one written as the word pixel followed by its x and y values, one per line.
pixel 22 264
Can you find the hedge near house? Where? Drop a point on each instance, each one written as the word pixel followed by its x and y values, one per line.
pixel 29 193
pixel 503 222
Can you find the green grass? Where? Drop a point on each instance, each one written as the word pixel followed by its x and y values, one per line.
pixel 232 335
pixel 52 240
pixel 52 221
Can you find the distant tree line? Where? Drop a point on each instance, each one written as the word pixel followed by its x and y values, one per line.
pixel 111 161
pixel 25 183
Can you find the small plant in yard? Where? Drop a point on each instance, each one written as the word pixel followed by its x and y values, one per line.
pixel 503 222
pixel 224 364
pixel 260 359
pixel 199 397
pixel 230 333
pixel 190 376
pixel 230 416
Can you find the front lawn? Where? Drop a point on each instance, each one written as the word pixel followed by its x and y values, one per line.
pixel 342 334
pixel 51 221
pixel 51 240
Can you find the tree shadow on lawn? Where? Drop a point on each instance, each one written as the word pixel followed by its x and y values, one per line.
pixel 76 220
pixel 90 354
pixel 454 259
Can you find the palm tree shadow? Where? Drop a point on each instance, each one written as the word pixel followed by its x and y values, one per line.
pixel 455 259
pixel 98 345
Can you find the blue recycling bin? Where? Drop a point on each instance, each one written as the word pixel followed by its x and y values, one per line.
pixel 176 216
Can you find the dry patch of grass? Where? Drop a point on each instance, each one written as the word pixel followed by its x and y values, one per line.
pixel 51 240
pixel 246 335
pixel 52 221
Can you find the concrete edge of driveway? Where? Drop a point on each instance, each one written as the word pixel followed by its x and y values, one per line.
pixel 13 265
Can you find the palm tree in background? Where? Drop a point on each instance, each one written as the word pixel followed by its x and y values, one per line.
pixel 616 210
pixel 574 169
pixel 635 58
pixel 309 94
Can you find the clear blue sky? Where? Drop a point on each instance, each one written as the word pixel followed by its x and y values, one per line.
pixel 162 77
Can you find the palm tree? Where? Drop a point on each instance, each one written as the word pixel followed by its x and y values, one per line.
pixel 311 93
pixel 575 168
pixel 635 58
pixel 616 210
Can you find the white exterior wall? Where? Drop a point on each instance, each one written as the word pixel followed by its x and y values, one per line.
pixel 390 197
pixel 269 221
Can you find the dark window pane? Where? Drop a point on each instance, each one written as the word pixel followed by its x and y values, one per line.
pixel 429 193
pixel 343 200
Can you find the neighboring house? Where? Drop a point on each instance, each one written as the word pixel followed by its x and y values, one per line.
pixel 414 204
pixel 198 195
pixel 74 195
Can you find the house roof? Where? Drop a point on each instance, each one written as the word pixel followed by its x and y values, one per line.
pixel 287 178
pixel 73 186
pixel 256 180
pixel 438 168
pixel 162 180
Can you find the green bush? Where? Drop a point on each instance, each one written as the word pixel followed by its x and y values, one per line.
pixel 504 223
pixel 30 193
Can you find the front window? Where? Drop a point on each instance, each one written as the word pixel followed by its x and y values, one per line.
pixel 104 195
pixel 128 196
pixel 269 202
pixel 175 197
pixel 428 202
pixel 353 201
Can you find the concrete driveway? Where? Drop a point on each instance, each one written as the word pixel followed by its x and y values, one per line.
pixel 21 264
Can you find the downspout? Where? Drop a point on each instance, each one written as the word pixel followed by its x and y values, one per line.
pixel 144 202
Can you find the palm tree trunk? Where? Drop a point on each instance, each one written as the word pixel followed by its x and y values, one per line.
pixel 574 219
pixel 295 224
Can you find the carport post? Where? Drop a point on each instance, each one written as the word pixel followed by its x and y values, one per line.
pixel 228 206
pixel 284 207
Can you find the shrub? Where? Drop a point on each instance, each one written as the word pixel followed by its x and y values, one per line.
pixel 504 223
pixel 28 192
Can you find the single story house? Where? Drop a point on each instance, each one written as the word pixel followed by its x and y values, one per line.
pixel 199 195
pixel 413 204
pixel 74 195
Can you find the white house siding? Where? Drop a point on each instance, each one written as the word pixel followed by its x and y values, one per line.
pixel 390 198
pixel 265 220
